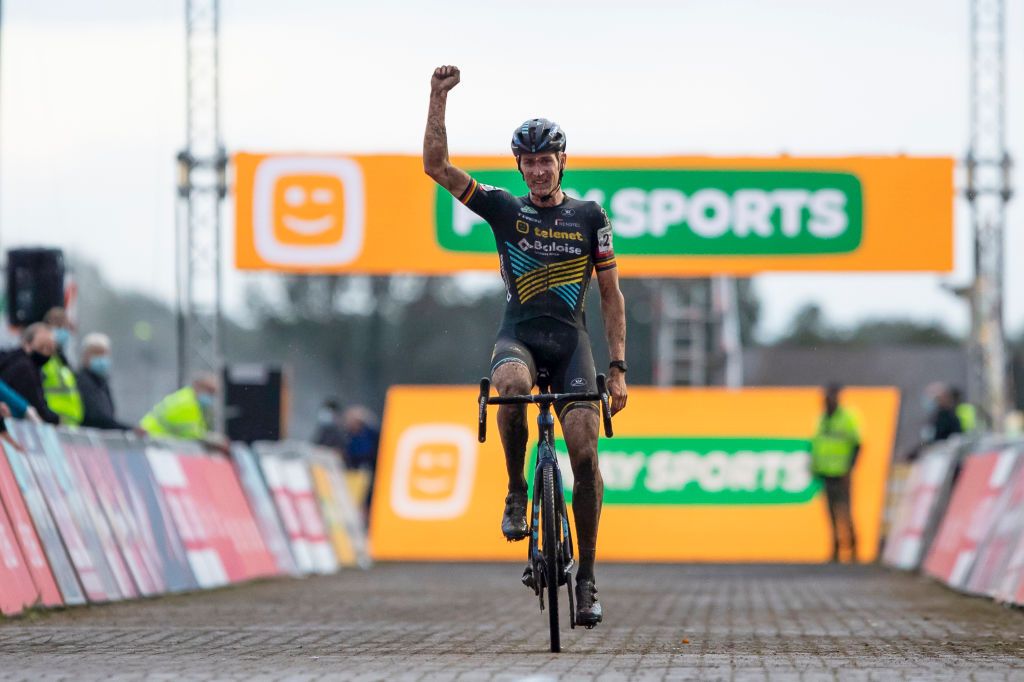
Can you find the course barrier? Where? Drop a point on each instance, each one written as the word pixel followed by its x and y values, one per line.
pixel 691 475
pixel 961 519
pixel 93 517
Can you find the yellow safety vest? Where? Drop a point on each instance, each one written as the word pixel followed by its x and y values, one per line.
pixel 61 391
pixel 833 445
pixel 179 415
pixel 968 417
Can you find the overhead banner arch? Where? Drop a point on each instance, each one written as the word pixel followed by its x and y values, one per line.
pixel 673 216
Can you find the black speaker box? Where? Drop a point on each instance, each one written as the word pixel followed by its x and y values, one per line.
pixel 254 402
pixel 35 283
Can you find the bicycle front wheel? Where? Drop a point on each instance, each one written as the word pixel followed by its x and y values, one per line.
pixel 551 544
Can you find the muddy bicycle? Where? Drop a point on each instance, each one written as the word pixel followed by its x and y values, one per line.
pixel 550 555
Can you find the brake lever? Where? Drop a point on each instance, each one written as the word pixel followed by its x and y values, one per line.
pixel 606 410
pixel 485 392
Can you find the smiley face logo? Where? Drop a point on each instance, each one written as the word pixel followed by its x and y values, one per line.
pixel 435 465
pixel 308 211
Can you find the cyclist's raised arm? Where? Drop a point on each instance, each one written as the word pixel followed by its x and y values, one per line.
pixel 435 139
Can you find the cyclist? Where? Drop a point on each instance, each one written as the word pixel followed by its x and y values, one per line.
pixel 548 246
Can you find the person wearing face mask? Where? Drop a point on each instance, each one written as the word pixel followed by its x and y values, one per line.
pixel 21 368
pixel 93 384
pixel 186 413
pixel 329 433
pixel 59 383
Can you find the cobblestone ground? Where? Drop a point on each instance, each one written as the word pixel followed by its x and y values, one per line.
pixel 448 622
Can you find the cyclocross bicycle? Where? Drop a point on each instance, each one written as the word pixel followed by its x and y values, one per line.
pixel 549 566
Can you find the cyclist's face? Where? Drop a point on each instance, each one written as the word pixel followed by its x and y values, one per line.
pixel 541 171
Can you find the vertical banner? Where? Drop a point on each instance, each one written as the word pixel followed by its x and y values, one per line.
pixel 83 549
pixel 995 561
pixel 134 536
pixel 263 507
pixel 13 504
pixel 233 530
pixel 185 501
pixel 344 521
pixel 129 461
pixel 287 475
pixel 969 515
pixel 72 459
pixel 16 588
pixel 57 556
pixel 916 516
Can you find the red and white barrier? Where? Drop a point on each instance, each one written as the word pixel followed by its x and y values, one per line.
pixel 100 516
pixel 969 515
pixel 920 506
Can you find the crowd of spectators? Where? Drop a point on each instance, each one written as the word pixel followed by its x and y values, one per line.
pixel 38 382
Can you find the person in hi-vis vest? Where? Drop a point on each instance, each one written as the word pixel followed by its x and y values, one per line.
pixel 187 413
pixel 834 451
pixel 60 386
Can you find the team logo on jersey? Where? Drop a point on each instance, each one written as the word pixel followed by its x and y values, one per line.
pixel 548 249
pixel 522 227
pixel 565 223
pixel 578 382
pixel 528 209
pixel 486 188
pixel 568 212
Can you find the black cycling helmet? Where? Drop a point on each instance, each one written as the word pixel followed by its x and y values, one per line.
pixel 538 135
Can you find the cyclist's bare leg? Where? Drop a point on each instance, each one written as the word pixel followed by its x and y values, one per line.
pixel 513 378
pixel 580 427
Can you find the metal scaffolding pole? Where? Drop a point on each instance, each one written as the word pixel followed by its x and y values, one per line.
pixel 988 191
pixel 201 188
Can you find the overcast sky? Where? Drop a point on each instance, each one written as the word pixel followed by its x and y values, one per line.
pixel 92 106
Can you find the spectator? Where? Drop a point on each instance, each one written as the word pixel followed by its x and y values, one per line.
pixel 965 411
pixel 187 412
pixel 14 402
pixel 329 433
pixel 362 438
pixel 59 383
pixel 943 421
pixel 834 451
pixel 21 368
pixel 93 386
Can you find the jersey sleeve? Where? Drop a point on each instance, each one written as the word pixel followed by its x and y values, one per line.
pixel 484 200
pixel 603 250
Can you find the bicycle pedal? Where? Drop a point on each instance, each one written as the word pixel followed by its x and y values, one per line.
pixel 528 578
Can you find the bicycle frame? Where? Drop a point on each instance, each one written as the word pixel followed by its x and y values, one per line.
pixel 546 454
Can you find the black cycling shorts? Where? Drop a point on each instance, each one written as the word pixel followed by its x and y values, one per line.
pixel 559 349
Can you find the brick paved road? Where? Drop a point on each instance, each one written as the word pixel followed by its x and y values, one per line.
pixel 451 622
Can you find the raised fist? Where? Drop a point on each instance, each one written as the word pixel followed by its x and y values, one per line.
pixel 444 79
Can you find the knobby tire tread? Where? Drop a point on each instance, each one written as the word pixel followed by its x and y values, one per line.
pixel 550 523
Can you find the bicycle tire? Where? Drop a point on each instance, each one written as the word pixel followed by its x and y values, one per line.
pixel 551 549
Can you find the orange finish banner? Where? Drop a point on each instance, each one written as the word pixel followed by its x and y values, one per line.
pixel 691 475
pixel 671 216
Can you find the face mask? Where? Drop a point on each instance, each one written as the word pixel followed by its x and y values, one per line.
pixel 61 336
pixel 325 417
pixel 39 359
pixel 100 365
pixel 205 400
